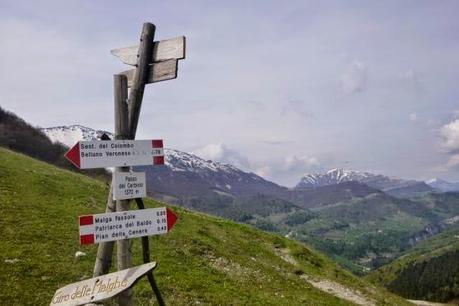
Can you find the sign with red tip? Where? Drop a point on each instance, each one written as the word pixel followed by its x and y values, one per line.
pixel 116 153
pixel 171 218
pixel 73 155
pixel 126 224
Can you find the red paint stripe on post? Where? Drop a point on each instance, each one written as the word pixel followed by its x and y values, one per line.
pixel 157 143
pixel 86 220
pixel 87 239
pixel 171 219
pixel 158 160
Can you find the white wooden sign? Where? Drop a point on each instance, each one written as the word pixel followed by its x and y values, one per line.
pixel 116 153
pixel 125 225
pixel 129 185
pixel 99 288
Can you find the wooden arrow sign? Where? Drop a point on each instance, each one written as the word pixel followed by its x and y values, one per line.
pixel 161 71
pixel 99 288
pixel 126 225
pixel 163 50
pixel 116 153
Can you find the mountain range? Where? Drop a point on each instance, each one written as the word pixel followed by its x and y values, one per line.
pixel 362 220
pixel 193 175
pixel 391 185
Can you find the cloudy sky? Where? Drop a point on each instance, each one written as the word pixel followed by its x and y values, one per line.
pixel 278 88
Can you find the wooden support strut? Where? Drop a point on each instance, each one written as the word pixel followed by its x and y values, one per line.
pixel 146 259
pixel 124 252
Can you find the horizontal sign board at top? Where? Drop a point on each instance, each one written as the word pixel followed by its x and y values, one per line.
pixel 163 50
pixel 162 71
pixel 116 153
pixel 129 185
pixel 99 288
pixel 125 225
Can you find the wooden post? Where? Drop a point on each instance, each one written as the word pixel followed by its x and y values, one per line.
pixel 124 257
pixel 105 250
pixel 126 121
pixel 140 75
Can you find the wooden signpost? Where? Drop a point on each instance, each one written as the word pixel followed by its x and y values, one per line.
pixel 99 288
pixel 125 225
pixel 163 50
pixel 162 71
pixel 116 153
pixel 154 62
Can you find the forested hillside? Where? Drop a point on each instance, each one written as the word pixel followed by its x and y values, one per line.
pixel 429 272
pixel 20 136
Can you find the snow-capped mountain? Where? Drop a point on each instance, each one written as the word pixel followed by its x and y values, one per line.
pixel 332 177
pixel 69 135
pixel 186 175
pixel 183 174
pixel 391 185
pixel 442 185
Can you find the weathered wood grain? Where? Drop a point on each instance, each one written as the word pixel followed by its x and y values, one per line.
pixel 140 76
pixel 123 249
pixel 161 71
pixel 163 50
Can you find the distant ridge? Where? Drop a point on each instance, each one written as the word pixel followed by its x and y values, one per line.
pixel 391 185
pixel 184 174
pixel 442 185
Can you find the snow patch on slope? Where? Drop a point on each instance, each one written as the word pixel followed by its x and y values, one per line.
pixel 70 135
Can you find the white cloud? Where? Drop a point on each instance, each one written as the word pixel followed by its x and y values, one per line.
pixel 221 153
pixel 264 172
pixel 354 80
pixel 450 135
pixel 450 144
pixel 412 80
pixel 453 162
pixel 301 163
pixel 413 117
pixel 296 106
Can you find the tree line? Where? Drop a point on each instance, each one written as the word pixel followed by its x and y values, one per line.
pixel 18 135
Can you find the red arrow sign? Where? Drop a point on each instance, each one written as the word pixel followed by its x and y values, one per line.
pixel 125 225
pixel 171 219
pixel 116 153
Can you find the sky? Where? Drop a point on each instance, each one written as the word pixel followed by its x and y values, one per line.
pixel 279 88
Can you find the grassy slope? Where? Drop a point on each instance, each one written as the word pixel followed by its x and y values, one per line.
pixel 203 259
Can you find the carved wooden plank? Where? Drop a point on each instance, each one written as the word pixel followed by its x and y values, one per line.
pixel 163 50
pixel 100 288
pixel 161 71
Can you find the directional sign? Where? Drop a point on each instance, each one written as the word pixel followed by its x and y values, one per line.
pixel 161 71
pixel 129 185
pixel 125 225
pixel 99 288
pixel 116 153
pixel 163 50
